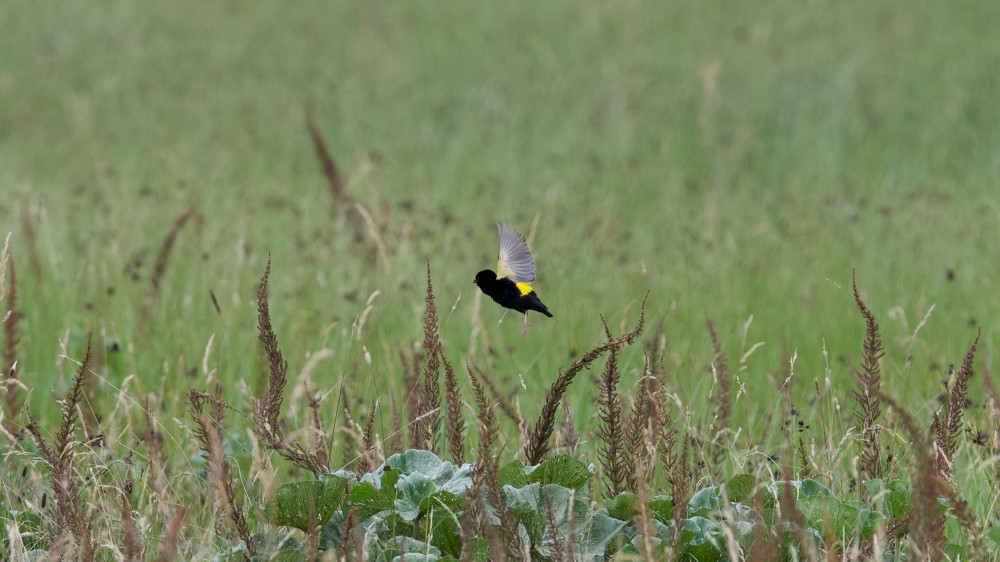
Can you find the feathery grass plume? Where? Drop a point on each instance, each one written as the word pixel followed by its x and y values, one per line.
pixel 806 470
pixel 611 430
pixel 644 518
pixel 502 401
pixel 31 242
pixel 168 546
pixel 267 426
pixel 130 535
pixel 343 203
pixel 411 385
pixel 393 442
pixel 867 393
pixel 455 423
pixel 926 531
pixel 538 445
pixel 350 537
pixel 486 471
pixel 680 490
pixel 993 410
pixel 639 427
pixel 467 525
pixel 319 434
pixel 11 339
pixel 560 549
pixel 723 399
pixel 427 424
pixel 69 515
pixel 163 256
pixel 209 434
pixel 791 517
pixel 948 424
pixel 367 462
pixel 764 545
pixel 352 443
pixel 158 467
pixel 569 436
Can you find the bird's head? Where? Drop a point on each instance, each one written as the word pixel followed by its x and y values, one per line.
pixel 485 276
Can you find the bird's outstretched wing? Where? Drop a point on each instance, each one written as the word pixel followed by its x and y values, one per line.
pixel 515 261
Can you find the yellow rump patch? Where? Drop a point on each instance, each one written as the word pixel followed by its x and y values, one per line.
pixel 524 288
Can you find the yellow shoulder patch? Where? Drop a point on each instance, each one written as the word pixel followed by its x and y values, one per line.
pixel 525 288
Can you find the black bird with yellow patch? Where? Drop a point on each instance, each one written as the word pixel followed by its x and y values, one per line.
pixel 510 285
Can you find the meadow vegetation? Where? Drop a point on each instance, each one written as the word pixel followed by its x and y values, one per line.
pixel 239 320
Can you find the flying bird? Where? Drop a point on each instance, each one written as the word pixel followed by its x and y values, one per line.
pixel 510 285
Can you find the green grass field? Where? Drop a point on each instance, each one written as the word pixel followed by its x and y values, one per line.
pixel 736 160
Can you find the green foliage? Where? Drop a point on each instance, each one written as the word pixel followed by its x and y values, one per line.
pixel 415 501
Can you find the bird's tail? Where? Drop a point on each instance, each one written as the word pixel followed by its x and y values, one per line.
pixel 536 304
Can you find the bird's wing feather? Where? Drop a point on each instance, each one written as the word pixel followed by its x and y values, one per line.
pixel 515 261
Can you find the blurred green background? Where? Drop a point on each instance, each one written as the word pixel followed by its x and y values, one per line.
pixel 735 159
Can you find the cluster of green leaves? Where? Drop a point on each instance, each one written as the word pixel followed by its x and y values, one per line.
pixel 411 508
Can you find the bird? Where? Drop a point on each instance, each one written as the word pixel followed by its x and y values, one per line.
pixel 510 285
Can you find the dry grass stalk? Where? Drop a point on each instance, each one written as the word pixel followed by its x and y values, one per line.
pixel 427 424
pixel 168 546
pixel 455 422
pixel 267 425
pixel 611 429
pixel 806 470
pixel 926 530
pixel 948 425
pixel 130 535
pixel 502 401
pixel 350 535
pixel 644 518
pixel 569 435
pixel 209 434
pixel 343 203
pixel 790 514
pixel 368 445
pixel 639 428
pixel 559 545
pixel 723 398
pixel 69 515
pixel 867 394
pixel 11 339
pixel 538 445
pixel 158 467
pixel 486 471
pixel 764 545
pixel 411 383
pixel 680 490
pixel 319 434
pixel 163 256
pixel 31 241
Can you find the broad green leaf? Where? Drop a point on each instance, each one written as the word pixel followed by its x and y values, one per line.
pixel 740 488
pixel 702 539
pixel 563 512
pixel 994 533
pixel 413 489
pixel 369 499
pixel 401 547
pixel 662 507
pixel 28 524
pixel 705 502
pixel 294 504
pixel 415 460
pixel 622 506
pixel 512 474
pixel 445 533
pixel 563 470
pixel 811 488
